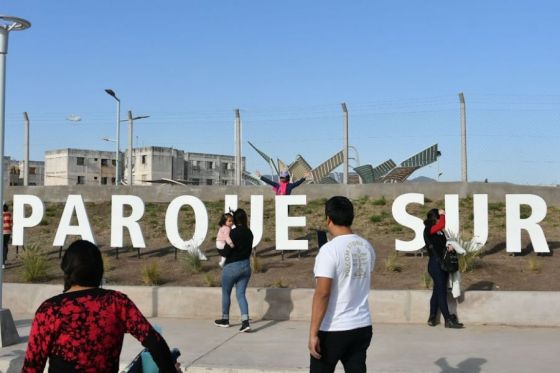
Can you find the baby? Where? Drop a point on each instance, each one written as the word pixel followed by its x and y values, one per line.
pixel 222 238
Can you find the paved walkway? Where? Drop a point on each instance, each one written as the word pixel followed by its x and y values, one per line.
pixel 281 346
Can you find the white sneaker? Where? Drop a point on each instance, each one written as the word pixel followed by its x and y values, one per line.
pixel 222 262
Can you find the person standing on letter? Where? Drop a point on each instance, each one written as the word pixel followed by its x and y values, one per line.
pixel 340 319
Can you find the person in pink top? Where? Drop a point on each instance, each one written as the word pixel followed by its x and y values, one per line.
pixel 222 238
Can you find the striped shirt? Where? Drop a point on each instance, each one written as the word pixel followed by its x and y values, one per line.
pixel 7 223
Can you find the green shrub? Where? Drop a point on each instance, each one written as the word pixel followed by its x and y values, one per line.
pixel 256 265
pixel 192 262
pixel 151 274
pixel 35 264
pixel 210 280
pixel 534 265
pixel 427 280
pixel 380 202
pixel 376 218
pixel 468 261
pixel 392 263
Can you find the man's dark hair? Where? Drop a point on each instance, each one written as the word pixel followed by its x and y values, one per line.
pixel 240 217
pixel 340 210
pixel 5 208
pixel 82 265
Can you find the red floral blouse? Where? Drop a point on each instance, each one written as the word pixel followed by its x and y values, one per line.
pixel 82 331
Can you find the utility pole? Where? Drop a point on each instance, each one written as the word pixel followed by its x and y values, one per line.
pixel 25 149
pixel 238 174
pixel 130 124
pixel 345 145
pixel 464 177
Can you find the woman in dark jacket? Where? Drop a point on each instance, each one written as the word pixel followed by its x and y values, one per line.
pixel 237 270
pixel 435 240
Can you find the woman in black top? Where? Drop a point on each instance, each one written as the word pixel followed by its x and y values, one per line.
pixel 436 242
pixel 237 270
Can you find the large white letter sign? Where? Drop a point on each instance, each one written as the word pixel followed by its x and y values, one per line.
pixel 256 215
pixel 402 217
pixel 283 222
pixel 480 207
pixel 20 220
pixel 514 223
pixel 200 221
pixel 74 202
pixel 119 222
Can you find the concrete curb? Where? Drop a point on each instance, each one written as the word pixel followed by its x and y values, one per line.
pixel 517 308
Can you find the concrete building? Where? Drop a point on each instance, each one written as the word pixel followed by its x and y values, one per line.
pixel 154 163
pixel 79 166
pixel 149 164
pixel 15 169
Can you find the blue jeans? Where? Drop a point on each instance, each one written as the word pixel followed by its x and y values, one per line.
pixel 238 274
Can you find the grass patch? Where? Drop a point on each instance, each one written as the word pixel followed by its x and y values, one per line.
pixel 380 202
pixel 392 263
pixel 426 280
pixel 192 263
pixel 534 264
pixel 151 274
pixel 35 264
pixel 210 280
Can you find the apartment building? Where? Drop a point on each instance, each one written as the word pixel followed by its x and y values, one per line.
pixel 149 164
pixel 79 167
pixel 15 172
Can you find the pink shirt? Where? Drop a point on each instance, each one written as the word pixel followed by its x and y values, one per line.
pixel 223 235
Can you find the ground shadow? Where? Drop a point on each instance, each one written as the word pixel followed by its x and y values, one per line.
pixel 481 285
pixel 280 304
pixel 494 250
pixel 265 324
pixel 16 358
pixel 470 365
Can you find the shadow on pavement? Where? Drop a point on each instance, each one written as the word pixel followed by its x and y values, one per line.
pixel 470 365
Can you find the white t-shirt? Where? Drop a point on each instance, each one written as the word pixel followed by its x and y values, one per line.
pixel 348 260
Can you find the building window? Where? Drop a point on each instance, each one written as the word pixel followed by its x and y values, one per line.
pixel 95 159
pixel 81 180
pixel 196 181
pixel 80 161
pixel 113 181
pixel 103 181
pixel 208 181
pixel 143 159
pixel 209 165
pixel 114 162
pixel 32 170
pixel 104 161
pixel 95 178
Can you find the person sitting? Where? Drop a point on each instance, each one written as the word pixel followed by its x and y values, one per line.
pixel 82 329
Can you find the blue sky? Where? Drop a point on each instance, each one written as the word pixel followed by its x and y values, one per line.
pixel 288 65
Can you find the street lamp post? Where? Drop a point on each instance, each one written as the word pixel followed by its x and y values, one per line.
pixel 112 93
pixel 131 120
pixel 9 334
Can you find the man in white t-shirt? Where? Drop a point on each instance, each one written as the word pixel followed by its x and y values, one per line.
pixel 340 318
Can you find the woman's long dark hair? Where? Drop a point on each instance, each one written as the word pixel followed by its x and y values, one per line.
pixel 82 265
pixel 431 218
pixel 240 217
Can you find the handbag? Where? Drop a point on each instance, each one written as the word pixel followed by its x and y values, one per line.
pixel 449 262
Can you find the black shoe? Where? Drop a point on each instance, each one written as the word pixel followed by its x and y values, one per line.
pixel 245 327
pixel 455 319
pixel 432 321
pixel 452 324
pixel 222 323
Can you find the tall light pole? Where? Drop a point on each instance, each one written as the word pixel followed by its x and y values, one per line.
pixel 464 176
pixel 9 334
pixel 345 145
pixel 131 120
pixel 238 161
pixel 25 149
pixel 112 93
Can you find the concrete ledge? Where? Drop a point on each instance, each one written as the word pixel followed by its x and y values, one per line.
pixel 387 306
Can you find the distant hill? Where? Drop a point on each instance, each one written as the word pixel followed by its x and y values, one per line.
pixel 422 179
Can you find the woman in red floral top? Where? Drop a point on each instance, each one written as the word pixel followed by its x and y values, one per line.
pixel 82 329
